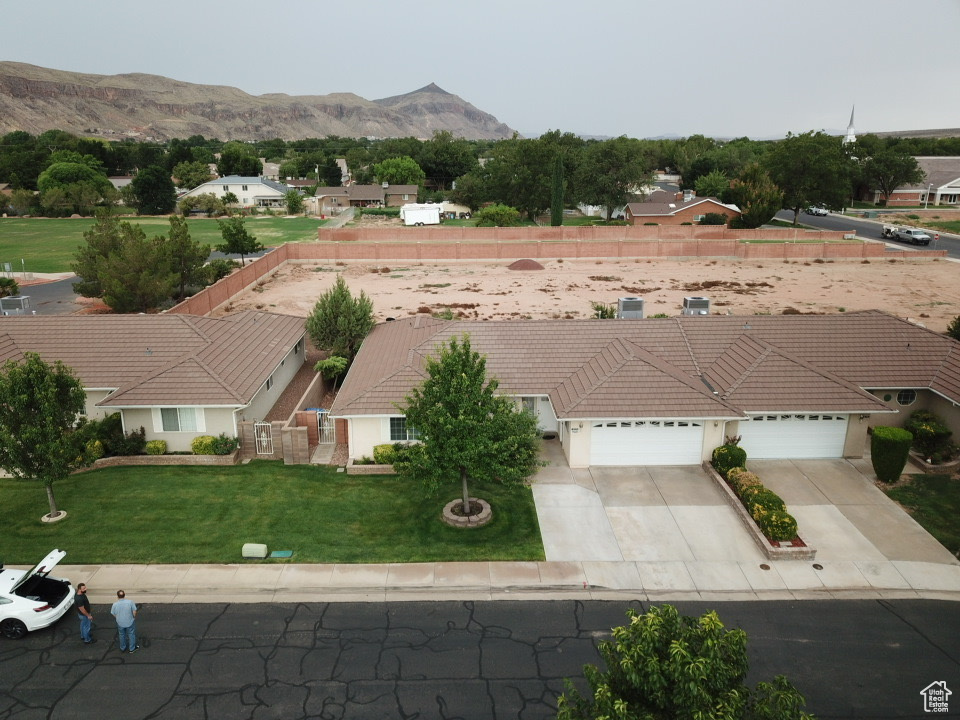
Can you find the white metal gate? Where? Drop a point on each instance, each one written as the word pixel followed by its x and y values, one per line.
pixel 326 427
pixel 263 433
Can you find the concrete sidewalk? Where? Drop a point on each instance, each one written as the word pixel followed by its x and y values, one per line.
pixel 586 580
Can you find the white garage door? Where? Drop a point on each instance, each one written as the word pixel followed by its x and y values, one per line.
pixel 793 436
pixel 646 442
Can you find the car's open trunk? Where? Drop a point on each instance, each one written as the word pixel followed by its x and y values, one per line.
pixel 44 590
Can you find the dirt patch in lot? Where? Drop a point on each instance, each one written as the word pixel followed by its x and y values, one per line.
pixel 926 291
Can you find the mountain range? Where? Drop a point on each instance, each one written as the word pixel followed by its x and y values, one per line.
pixel 140 106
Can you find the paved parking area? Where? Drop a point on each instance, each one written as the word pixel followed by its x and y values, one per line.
pixel 670 528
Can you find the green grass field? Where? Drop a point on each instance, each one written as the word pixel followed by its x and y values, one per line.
pixel 192 514
pixel 934 502
pixel 49 245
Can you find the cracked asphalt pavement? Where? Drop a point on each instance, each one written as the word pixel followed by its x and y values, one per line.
pixel 866 658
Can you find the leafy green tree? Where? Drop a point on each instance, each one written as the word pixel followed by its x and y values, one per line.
pixel 612 172
pixel 73 187
pixel 238 158
pixel 39 407
pixel 888 170
pixel 713 184
pixel 810 169
pixel 497 216
pixel 8 287
pixel 444 158
pixel 294 202
pixel 756 196
pixel 399 171
pixel 339 322
pixel 237 240
pixel 70 173
pixel 953 329
pixel 204 202
pixel 185 256
pixel 664 665
pixel 102 239
pixel 467 430
pixel 557 193
pixel 153 191
pixel 332 367
pixel 23 201
pixel 713 219
pixel 191 174
pixel 137 277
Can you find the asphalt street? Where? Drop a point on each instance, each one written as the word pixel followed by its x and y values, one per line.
pixel 864 659
pixel 870 229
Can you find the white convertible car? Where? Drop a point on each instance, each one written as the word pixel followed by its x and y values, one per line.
pixel 32 600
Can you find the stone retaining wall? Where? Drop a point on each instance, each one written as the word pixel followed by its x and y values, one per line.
pixel 368 469
pixel 231 459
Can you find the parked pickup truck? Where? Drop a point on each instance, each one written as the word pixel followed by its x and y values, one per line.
pixel 910 235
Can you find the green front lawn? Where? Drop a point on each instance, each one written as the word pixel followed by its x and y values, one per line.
pixel 49 245
pixel 934 502
pixel 204 515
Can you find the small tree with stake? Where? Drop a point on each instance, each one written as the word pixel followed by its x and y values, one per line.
pixel 466 429
pixel 39 407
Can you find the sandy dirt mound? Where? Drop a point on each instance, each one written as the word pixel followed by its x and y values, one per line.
pixel 525 264
pixel 926 291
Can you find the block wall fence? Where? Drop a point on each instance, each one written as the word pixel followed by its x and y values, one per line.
pixel 459 244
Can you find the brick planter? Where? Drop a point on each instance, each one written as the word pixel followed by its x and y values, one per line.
pixel 921 463
pixel 369 469
pixel 473 521
pixel 231 459
pixel 770 551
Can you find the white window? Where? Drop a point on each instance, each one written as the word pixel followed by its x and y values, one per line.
pixel 906 397
pixel 400 432
pixel 226 188
pixel 179 419
pixel 698 218
pixel 269 382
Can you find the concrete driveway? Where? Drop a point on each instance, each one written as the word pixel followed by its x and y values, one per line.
pixel 669 528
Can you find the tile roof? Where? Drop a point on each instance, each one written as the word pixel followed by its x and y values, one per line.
pixel 151 360
pixel 713 366
pixel 661 206
pixel 939 171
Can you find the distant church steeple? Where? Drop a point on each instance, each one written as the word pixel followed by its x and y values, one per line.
pixel 851 135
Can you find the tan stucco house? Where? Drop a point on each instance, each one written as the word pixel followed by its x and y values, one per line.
pixel 177 376
pixel 668 391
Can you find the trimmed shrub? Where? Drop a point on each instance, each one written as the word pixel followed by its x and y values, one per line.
pixel 761 500
pixel 383 454
pixel 727 457
pixel 889 449
pixel 224 444
pixel 95 449
pixel 156 447
pixel 778 525
pixel 930 435
pixel 741 478
pixel 202 445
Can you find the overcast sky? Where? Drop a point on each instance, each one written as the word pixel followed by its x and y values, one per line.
pixel 608 67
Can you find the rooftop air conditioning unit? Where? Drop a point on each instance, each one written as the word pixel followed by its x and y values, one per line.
pixel 696 306
pixel 630 308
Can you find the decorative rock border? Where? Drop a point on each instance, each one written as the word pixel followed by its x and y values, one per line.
pixel 771 552
pixel 921 463
pixel 474 521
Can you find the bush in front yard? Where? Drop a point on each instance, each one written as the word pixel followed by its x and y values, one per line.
pixel 930 435
pixel 224 444
pixel 383 454
pixel 889 449
pixel 156 447
pixel 203 445
pixel 778 525
pixel 727 457
pixel 762 498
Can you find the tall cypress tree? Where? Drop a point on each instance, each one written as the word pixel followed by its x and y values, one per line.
pixel 556 199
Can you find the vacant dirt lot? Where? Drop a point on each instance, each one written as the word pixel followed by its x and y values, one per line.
pixel 923 290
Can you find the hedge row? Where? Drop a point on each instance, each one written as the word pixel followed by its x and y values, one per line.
pixel 765 507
